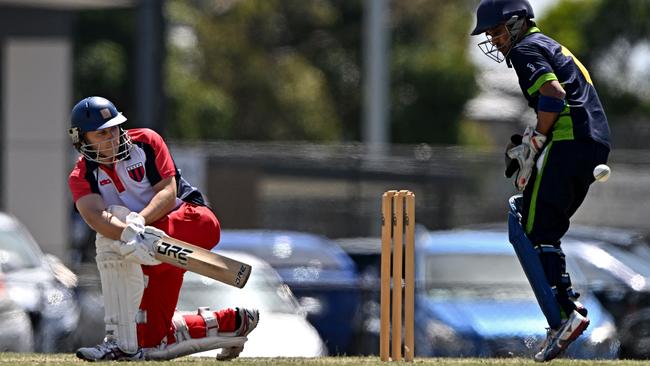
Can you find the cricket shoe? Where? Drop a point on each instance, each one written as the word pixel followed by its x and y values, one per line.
pixel 249 319
pixel 579 307
pixel 558 340
pixel 108 351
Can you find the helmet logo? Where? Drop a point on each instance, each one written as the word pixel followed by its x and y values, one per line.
pixel 105 112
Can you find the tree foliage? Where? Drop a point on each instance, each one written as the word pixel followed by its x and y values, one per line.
pixel 286 69
pixel 607 36
pixel 292 69
pixel 103 57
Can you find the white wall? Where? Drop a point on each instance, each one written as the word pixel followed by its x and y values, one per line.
pixel 36 81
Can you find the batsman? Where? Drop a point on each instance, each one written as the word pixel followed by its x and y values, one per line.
pixel 552 162
pixel 127 188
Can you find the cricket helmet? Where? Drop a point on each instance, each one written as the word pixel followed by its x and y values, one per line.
pixel 93 114
pixel 491 13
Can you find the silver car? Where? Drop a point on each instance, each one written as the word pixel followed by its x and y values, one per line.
pixel 283 330
pixel 41 285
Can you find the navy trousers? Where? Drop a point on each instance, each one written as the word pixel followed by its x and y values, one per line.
pixel 552 196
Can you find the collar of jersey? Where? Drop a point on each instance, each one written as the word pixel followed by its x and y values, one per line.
pixel 532 30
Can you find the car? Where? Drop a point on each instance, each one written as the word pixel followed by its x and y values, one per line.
pixel 322 276
pixel 473 299
pixel 283 330
pixel 16 333
pixel 41 285
pixel 619 275
pixel 474 288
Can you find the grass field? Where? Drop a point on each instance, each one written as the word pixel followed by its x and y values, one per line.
pixel 68 359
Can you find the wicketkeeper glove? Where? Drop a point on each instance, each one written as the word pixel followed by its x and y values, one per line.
pixel 525 154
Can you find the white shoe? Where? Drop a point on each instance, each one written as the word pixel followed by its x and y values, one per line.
pixel 108 351
pixel 558 340
pixel 249 320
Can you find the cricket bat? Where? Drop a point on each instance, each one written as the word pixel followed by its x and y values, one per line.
pixel 204 262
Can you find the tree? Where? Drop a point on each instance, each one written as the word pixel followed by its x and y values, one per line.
pixel 271 69
pixel 606 36
pixel 102 62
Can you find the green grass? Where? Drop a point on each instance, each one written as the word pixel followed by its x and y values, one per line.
pixel 69 359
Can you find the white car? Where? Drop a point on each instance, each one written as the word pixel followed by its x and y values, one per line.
pixel 283 330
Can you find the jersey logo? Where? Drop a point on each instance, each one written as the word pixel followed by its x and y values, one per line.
pixel 136 172
pixel 104 182
pixel 531 67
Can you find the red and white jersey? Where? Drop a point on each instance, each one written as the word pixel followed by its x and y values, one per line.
pixel 130 182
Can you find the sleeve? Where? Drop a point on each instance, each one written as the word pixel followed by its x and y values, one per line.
pixel 533 69
pixel 81 181
pixel 159 164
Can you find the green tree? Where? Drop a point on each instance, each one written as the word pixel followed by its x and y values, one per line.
pixel 604 36
pixel 432 77
pixel 271 69
pixel 103 57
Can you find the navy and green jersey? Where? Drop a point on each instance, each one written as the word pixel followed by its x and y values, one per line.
pixel 537 59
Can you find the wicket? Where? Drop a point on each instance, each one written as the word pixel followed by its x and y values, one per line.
pixel 398 229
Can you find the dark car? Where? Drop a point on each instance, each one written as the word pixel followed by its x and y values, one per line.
pixel 473 300
pixel 617 265
pixel 320 274
pixel 41 285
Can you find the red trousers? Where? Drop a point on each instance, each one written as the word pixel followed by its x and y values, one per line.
pixel 194 224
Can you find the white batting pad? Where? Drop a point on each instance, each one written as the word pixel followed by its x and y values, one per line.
pixel 122 289
pixel 190 346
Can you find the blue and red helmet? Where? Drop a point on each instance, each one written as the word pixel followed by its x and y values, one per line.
pixel 93 114
pixel 491 13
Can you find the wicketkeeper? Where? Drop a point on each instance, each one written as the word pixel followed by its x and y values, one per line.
pixel 128 189
pixel 553 161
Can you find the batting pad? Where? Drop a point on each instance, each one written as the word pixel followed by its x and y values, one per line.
pixel 122 289
pixel 532 266
pixel 190 346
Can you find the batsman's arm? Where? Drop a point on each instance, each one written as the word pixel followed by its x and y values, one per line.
pixel 204 262
pixel 545 119
pixel 162 202
pixel 93 211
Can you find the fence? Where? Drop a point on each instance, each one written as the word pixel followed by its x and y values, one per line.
pixel 334 189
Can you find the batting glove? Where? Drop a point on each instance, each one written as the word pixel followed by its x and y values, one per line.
pixel 139 245
pixel 526 154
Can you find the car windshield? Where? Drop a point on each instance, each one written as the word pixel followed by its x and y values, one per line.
pixel 16 251
pixel 636 261
pixel 263 291
pixel 473 274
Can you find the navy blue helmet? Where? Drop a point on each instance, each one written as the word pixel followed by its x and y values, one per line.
pixel 97 113
pixel 491 13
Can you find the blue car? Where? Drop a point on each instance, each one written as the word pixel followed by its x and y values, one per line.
pixel 320 274
pixel 474 300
